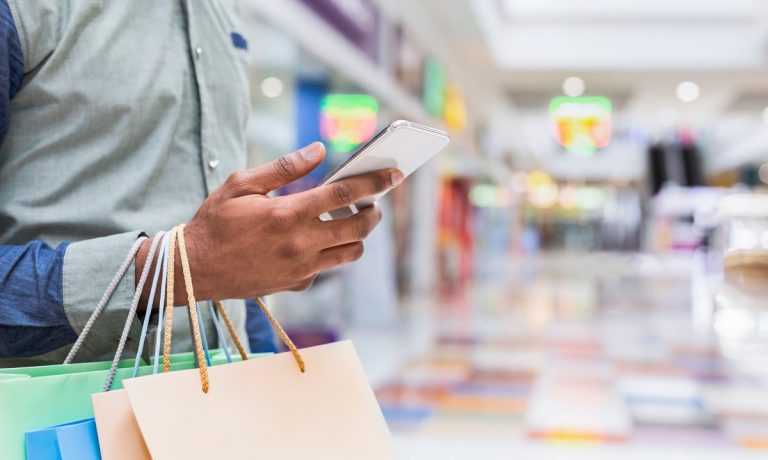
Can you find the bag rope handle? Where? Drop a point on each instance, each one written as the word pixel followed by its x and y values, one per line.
pixel 157 281
pixel 216 319
pixel 104 299
pixel 231 328
pixel 177 237
pixel 283 336
pixel 168 326
pixel 132 312
pixel 161 304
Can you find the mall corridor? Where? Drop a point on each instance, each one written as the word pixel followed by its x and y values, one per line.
pixel 378 229
pixel 571 356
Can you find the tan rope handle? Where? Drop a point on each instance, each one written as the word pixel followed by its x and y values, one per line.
pixel 168 325
pixel 231 328
pixel 283 336
pixel 177 234
pixel 177 237
pixel 203 365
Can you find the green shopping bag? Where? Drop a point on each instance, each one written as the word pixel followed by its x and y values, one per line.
pixel 58 369
pixel 34 398
pixel 31 403
pixel 76 368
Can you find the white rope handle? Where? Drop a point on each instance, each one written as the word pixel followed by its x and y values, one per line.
pixel 132 311
pixel 105 299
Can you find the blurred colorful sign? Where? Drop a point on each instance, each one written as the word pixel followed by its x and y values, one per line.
pixel 581 124
pixel 455 110
pixel 348 120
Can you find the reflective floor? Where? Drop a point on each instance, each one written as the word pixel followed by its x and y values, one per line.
pixel 563 356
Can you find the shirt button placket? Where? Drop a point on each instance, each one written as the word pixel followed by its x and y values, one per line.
pixel 211 164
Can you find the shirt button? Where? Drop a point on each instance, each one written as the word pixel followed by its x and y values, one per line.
pixel 213 164
pixel 198 52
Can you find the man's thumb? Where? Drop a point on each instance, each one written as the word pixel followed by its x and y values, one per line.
pixel 280 172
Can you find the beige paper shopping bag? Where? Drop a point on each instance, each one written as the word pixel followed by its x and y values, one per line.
pixel 119 434
pixel 313 404
pixel 264 408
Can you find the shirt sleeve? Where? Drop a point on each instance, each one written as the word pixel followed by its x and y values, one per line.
pixel 32 318
pixel 89 267
pixel 11 64
pixel 47 296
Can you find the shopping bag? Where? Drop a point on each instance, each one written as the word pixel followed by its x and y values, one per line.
pixel 329 411
pixel 31 403
pixel 40 397
pixel 119 434
pixel 53 396
pixel 74 368
pixel 34 403
pixel 74 440
pixel 278 406
pixel 78 440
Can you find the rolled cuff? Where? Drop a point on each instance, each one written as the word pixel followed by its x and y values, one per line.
pixel 88 268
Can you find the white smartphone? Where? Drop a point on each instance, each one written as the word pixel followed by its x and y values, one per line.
pixel 403 145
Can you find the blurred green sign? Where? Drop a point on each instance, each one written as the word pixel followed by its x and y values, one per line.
pixel 348 120
pixel 435 81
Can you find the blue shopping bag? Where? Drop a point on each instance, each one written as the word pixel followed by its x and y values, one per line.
pixel 74 440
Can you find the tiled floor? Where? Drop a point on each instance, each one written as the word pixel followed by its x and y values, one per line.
pixel 593 356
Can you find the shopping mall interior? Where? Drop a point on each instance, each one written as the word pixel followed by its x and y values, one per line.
pixel 578 275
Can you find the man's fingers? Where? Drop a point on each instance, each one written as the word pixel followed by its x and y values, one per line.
pixel 339 255
pixel 303 285
pixel 347 191
pixel 349 230
pixel 271 176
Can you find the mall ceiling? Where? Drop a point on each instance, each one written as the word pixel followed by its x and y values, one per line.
pixel 611 35
pixel 635 51
pixel 621 47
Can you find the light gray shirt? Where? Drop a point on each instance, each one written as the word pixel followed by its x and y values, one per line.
pixel 129 114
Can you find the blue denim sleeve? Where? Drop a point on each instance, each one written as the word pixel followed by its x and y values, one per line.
pixel 11 64
pixel 261 338
pixel 32 318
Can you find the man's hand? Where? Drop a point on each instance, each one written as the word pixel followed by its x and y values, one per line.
pixel 243 243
